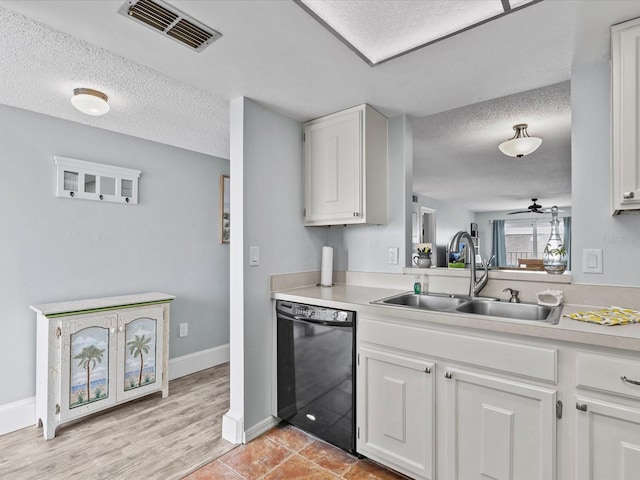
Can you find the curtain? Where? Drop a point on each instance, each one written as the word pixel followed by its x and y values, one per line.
pixel 498 247
pixel 567 240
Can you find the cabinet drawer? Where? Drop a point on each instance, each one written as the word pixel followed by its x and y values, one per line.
pixel 609 373
pixel 506 356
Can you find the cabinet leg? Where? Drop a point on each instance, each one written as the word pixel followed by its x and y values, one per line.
pixel 48 430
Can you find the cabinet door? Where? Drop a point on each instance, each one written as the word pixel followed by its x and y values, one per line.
pixel 88 351
pixel 140 351
pixel 607 440
pixel 498 428
pixel 626 107
pixel 333 169
pixel 395 412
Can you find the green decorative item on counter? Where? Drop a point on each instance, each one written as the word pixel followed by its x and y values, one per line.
pixel 417 286
pixel 458 259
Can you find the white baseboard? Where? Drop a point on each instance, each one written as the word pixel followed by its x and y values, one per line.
pixel 233 427
pixel 195 362
pixel 260 428
pixel 17 415
pixel 21 414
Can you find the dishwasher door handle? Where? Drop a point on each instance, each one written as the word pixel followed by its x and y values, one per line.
pixel 327 323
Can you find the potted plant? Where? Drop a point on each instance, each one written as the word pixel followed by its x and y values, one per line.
pixel 423 259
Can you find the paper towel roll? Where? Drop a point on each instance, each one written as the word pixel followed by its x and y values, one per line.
pixel 326 273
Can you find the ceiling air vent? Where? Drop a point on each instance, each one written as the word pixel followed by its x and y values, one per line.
pixel 172 22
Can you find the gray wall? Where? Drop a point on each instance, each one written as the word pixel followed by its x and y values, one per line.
pixel 54 249
pixel 449 220
pixel 367 246
pixel 271 158
pixel 593 225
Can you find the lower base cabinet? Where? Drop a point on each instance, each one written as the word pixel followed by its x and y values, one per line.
pixel 498 428
pixel 396 416
pixel 607 440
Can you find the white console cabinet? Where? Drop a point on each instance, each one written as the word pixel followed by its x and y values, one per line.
pixel 345 168
pixel 93 354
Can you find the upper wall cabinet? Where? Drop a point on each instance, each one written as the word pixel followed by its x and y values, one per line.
pixel 95 181
pixel 345 168
pixel 625 50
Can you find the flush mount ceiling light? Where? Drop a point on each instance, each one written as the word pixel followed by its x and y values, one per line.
pixel 386 29
pixel 89 101
pixel 521 143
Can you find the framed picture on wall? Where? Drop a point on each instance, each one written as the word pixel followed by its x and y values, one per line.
pixel 225 211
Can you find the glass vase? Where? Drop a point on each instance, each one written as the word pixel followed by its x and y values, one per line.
pixel 554 257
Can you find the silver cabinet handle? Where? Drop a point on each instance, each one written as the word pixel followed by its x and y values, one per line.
pixel 427 370
pixel 628 195
pixel 581 406
pixel 356 214
pixel 628 380
pixel 448 375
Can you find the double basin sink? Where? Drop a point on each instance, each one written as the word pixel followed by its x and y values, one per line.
pixel 482 306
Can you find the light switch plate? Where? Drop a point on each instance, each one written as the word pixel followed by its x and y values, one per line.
pixel 254 256
pixel 592 260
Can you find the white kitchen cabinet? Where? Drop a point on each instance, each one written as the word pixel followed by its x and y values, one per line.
pixel 607 434
pixel 396 414
pixel 607 440
pixel 498 428
pixel 345 168
pixel 93 354
pixel 625 51
pixel 481 425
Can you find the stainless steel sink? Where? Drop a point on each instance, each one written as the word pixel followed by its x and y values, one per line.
pixel 517 311
pixel 425 301
pixel 483 306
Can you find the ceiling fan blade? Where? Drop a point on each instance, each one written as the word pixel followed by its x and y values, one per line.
pixel 521 211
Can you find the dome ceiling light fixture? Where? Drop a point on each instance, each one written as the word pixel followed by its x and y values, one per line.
pixel 89 101
pixel 521 143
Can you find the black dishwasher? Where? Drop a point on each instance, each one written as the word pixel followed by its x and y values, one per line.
pixel 315 348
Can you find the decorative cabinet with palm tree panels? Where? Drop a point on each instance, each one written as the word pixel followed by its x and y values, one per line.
pixel 93 354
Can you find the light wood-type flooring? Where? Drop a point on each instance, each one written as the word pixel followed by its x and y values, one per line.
pixel 150 438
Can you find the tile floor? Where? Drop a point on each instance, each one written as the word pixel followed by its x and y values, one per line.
pixel 285 452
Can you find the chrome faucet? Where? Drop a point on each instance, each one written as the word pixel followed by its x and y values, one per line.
pixel 475 286
pixel 514 295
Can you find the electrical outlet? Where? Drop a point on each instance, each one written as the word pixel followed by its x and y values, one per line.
pixel 393 256
pixel 184 329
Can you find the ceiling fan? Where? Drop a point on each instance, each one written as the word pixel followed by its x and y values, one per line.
pixel 533 208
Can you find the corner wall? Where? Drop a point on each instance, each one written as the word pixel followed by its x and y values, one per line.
pixel 592 223
pixel 266 184
pixel 56 249
pixel 366 246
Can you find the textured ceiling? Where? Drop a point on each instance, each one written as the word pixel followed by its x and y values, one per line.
pixel 456 156
pixel 388 29
pixel 41 67
pixel 275 53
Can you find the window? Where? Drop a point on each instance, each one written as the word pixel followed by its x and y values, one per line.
pixel 527 238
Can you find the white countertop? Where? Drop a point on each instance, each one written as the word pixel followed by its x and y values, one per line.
pixel 358 298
